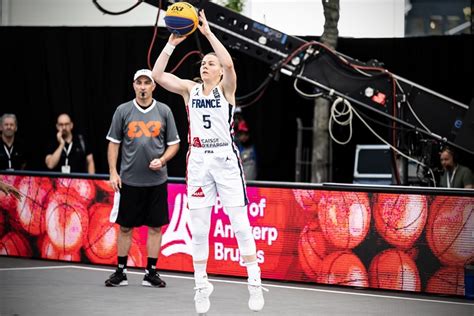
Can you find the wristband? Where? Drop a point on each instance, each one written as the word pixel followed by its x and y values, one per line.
pixel 169 49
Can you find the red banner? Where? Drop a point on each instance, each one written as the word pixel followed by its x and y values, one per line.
pixel 397 241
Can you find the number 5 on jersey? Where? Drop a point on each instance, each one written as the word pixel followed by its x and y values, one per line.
pixel 207 121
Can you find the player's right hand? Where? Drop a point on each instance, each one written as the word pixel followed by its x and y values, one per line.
pixel 175 39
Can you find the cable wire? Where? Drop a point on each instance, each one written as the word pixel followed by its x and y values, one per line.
pixel 105 11
pixel 352 110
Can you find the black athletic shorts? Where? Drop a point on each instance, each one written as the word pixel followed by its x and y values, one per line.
pixel 143 206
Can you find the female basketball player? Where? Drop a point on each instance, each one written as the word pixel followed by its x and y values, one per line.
pixel 213 164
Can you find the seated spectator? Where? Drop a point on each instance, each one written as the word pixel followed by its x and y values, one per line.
pixel 454 174
pixel 13 155
pixel 70 153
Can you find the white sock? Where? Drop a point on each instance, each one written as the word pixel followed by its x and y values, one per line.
pixel 253 271
pixel 200 274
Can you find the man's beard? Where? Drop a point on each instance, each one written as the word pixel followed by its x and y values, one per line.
pixel 8 133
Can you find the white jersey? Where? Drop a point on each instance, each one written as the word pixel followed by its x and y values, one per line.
pixel 210 120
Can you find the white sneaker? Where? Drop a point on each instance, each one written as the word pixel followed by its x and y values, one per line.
pixel 256 300
pixel 201 298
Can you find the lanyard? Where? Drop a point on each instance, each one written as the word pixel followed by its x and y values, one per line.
pixel 9 154
pixel 67 151
pixel 450 180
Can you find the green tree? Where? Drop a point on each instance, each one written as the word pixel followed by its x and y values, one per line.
pixel 236 5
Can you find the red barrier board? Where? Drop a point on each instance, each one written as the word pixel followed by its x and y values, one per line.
pixel 396 241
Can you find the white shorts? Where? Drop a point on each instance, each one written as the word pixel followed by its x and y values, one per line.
pixel 215 172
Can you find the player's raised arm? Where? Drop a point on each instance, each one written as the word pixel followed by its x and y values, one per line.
pixel 229 80
pixel 165 79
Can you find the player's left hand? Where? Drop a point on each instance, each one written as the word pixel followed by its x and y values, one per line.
pixel 203 26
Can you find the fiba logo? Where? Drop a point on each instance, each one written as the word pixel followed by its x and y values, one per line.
pixel 177 238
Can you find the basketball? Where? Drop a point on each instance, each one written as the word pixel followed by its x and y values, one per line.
pixel 31 207
pixel 395 270
pixel 15 244
pixel 181 18
pixel 312 248
pixel 343 268
pixel 447 280
pixel 67 221
pixel 450 228
pixel 400 218
pixel 82 188
pixel 101 241
pixel 48 251
pixel 344 218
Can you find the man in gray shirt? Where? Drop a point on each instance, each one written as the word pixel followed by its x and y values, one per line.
pixel 146 131
pixel 455 175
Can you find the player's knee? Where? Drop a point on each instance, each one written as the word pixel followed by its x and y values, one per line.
pixel 242 230
pixel 240 222
pixel 200 225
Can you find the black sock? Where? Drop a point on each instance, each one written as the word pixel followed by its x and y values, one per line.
pixel 151 265
pixel 122 263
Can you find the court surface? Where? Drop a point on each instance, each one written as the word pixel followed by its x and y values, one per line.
pixel 37 287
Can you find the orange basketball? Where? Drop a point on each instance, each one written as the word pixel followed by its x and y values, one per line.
pixel 48 251
pixel 312 248
pixel 394 270
pixel 343 268
pixel 83 188
pixel 450 228
pixel 447 280
pixel 344 218
pixel 100 244
pixel 308 199
pixel 15 244
pixel 66 220
pixel 31 206
pixel 400 218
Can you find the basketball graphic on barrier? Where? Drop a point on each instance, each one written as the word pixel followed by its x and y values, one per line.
pixel 82 188
pixel 450 228
pixel 393 269
pixel 7 201
pixel 447 280
pixel 66 220
pixel 308 199
pixel 31 206
pixel 2 222
pixel 344 218
pixel 100 244
pixel 312 248
pixel 400 218
pixel 48 251
pixel 343 268
pixel 15 244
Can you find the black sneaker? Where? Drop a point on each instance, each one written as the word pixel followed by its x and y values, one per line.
pixel 153 279
pixel 117 279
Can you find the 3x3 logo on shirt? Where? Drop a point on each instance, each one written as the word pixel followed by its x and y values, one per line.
pixel 138 129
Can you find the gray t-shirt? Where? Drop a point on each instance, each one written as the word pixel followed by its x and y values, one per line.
pixel 462 176
pixel 143 134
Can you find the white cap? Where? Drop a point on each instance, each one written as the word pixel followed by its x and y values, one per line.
pixel 143 72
